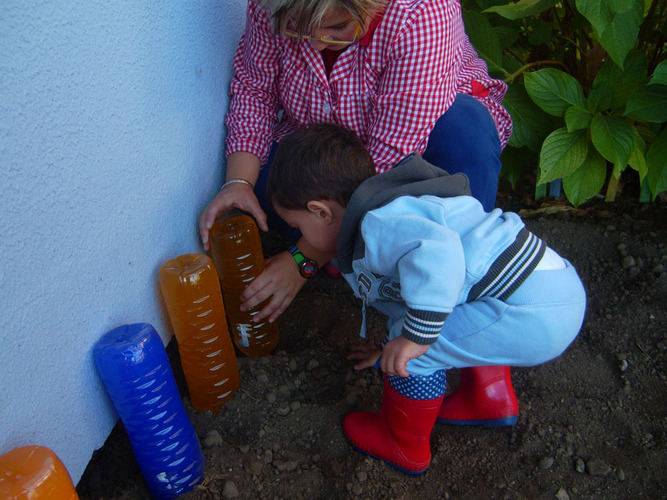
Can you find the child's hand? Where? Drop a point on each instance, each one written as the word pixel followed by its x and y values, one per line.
pixel 279 282
pixel 397 353
pixel 367 353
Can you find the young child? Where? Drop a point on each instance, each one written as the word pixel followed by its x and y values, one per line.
pixel 461 287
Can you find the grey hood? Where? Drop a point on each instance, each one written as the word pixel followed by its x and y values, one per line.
pixel 412 176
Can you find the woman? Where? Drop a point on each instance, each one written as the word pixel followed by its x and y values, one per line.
pixel 401 74
pixel 389 70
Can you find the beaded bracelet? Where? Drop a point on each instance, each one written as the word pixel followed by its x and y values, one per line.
pixel 234 181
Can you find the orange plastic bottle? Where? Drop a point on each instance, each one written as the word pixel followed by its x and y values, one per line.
pixel 237 253
pixel 34 472
pixel 191 291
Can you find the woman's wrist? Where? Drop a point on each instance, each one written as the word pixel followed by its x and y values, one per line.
pixel 243 166
pixel 237 181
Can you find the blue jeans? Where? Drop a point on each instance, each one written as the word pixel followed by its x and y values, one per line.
pixel 464 139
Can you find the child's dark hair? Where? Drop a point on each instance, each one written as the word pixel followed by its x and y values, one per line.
pixel 320 162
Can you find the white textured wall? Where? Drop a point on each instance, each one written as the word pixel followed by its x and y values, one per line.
pixel 111 131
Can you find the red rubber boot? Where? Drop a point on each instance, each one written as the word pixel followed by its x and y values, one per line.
pixel 485 396
pixel 399 435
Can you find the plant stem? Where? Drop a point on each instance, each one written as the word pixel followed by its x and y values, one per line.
pixel 525 67
pixel 515 55
pixel 645 192
pixel 572 42
pixel 612 188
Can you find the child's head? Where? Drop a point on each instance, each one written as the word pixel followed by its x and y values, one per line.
pixel 320 162
pixel 312 178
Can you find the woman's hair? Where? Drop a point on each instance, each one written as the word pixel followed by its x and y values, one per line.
pixel 306 15
pixel 319 162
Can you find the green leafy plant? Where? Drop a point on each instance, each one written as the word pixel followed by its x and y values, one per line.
pixel 587 88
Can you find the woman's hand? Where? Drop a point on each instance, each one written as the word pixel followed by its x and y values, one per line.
pixel 280 281
pixel 236 195
pixel 240 165
pixel 396 354
pixel 367 353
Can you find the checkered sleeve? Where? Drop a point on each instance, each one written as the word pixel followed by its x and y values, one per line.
pixel 254 97
pixel 419 82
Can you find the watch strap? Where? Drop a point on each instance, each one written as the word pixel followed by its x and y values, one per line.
pixel 298 256
pixel 307 267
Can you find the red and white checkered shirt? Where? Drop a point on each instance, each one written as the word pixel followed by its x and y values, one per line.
pixel 390 91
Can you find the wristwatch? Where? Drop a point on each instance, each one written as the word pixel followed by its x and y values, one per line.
pixel 307 267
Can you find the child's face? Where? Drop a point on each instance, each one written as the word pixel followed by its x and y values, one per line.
pixel 319 225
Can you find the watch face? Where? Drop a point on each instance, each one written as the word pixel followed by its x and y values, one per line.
pixel 308 268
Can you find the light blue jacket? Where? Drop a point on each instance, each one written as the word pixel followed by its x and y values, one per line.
pixel 414 256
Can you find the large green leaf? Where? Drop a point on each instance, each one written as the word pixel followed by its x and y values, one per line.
pixel 615 23
pixel 522 8
pixel 531 124
pixel 485 40
pixel 648 104
pixel 485 4
pixel 600 98
pixel 562 153
pixel 514 160
pixel 614 138
pixel 638 158
pixel 597 12
pixel 613 87
pixel 554 91
pixel 507 35
pixel 577 118
pixel 621 36
pixel 660 74
pixel 656 160
pixel 586 181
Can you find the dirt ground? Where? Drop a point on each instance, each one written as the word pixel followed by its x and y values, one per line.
pixel 592 422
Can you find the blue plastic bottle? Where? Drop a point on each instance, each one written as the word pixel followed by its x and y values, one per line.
pixel 135 369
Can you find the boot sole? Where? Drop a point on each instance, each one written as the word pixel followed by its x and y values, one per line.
pixel 496 422
pixel 401 469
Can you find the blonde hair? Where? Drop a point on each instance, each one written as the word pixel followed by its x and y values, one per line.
pixel 306 15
